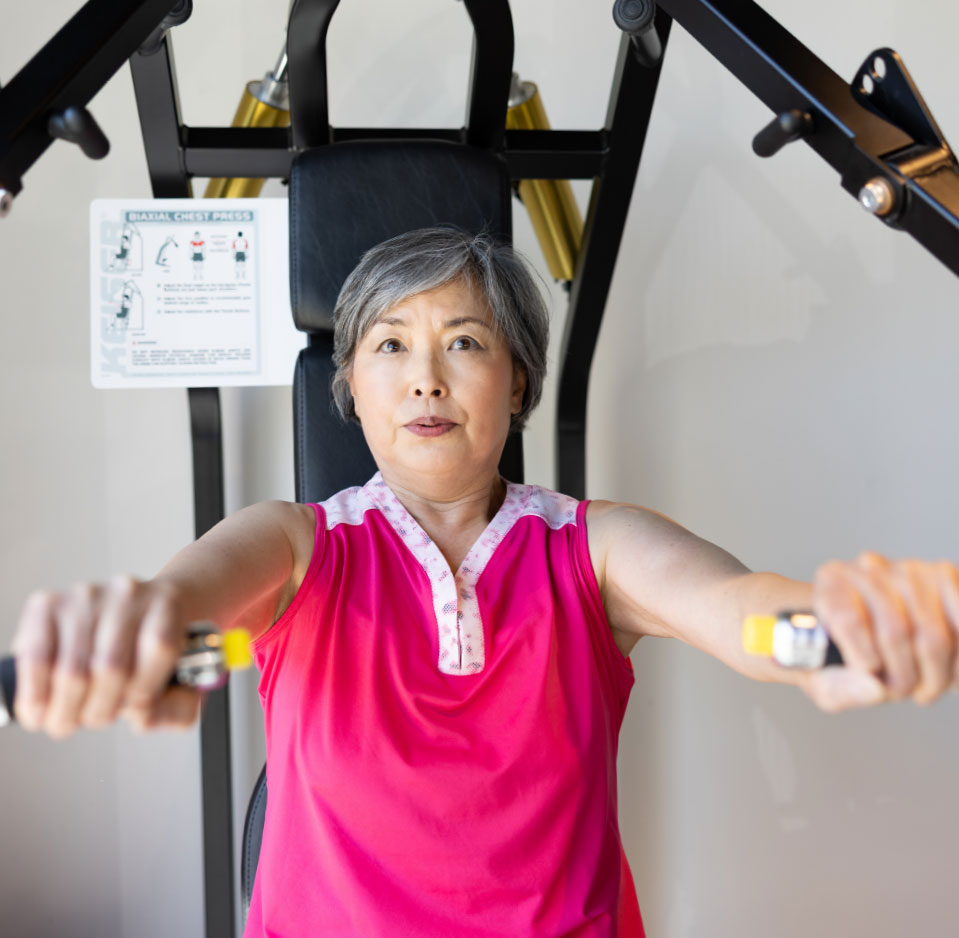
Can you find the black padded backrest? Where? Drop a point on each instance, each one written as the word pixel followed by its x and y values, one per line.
pixel 346 198
pixel 330 453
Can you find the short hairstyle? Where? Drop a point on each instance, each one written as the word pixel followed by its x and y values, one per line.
pixel 428 258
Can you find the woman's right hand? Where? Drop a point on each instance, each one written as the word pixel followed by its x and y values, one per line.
pixel 88 655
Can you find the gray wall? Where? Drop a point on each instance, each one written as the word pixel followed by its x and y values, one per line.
pixel 774 372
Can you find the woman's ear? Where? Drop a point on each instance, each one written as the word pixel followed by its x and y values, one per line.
pixel 349 381
pixel 518 389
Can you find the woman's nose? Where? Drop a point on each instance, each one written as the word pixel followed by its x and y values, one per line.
pixel 427 378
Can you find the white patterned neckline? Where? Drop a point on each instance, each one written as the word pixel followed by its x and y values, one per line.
pixel 462 648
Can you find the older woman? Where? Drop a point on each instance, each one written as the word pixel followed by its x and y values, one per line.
pixel 444 654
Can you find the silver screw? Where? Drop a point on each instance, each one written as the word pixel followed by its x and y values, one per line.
pixel 6 203
pixel 878 196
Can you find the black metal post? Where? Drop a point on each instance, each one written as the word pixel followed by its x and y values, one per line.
pixel 627 120
pixel 306 53
pixel 154 80
pixel 490 72
pixel 215 748
pixel 158 104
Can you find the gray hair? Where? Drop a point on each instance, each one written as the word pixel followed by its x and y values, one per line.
pixel 428 258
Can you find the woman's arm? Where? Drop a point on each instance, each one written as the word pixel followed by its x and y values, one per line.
pixel 244 571
pixel 87 654
pixel 895 623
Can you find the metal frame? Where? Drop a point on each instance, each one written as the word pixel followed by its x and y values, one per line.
pixel 216 770
pixel 892 140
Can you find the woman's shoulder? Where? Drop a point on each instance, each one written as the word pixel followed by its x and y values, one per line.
pixel 296 521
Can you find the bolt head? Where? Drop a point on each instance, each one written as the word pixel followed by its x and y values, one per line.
pixel 878 196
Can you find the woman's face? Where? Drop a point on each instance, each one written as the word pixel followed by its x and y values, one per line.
pixel 434 387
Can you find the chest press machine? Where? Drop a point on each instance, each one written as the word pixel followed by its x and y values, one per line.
pixel 351 188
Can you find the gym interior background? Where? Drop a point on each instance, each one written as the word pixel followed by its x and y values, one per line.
pixel 775 371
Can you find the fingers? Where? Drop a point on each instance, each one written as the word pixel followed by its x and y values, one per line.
pixel 177 708
pixel 159 644
pixel 934 636
pixel 90 654
pixel 839 603
pixel 76 615
pixel 948 579
pixel 113 654
pixel 897 621
pixel 35 646
pixel 836 689
pixel 892 624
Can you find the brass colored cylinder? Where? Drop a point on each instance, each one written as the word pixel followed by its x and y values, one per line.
pixel 251 113
pixel 552 208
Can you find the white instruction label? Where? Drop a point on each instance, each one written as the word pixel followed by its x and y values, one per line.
pixel 190 293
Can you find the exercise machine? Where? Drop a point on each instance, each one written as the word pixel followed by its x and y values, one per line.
pixel 876 131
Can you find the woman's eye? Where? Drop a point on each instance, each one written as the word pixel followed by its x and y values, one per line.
pixel 465 342
pixel 391 345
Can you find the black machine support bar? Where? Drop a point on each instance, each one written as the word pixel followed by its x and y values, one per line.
pixel 158 104
pixel 858 130
pixel 215 747
pixel 70 69
pixel 864 136
pixel 490 72
pixel 630 106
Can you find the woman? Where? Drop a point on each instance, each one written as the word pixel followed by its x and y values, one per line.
pixel 443 653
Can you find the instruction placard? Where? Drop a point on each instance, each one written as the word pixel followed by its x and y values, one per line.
pixel 190 293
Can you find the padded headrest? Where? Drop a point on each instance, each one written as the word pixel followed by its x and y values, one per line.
pixel 347 197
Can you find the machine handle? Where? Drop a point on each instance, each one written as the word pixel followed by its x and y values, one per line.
pixel 792 639
pixel 782 129
pixel 77 125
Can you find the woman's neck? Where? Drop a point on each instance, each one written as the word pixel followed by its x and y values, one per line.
pixel 453 518
pixel 451 506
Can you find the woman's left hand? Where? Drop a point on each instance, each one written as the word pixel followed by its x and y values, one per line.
pixel 897 626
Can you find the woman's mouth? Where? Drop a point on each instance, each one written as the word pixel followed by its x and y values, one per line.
pixel 430 426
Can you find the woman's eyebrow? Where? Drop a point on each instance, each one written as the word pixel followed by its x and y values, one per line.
pixel 449 324
pixel 463 320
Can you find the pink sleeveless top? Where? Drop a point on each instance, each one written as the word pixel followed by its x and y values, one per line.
pixel 441 748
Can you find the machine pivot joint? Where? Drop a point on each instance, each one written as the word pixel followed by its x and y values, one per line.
pixel 637 18
pixel 884 86
pixel 179 14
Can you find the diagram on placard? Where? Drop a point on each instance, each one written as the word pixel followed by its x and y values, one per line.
pixel 164 254
pixel 130 313
pixel 198 255
pixel 240 247
pixel 129 254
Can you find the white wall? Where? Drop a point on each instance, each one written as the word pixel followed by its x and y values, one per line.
pixel 773 371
